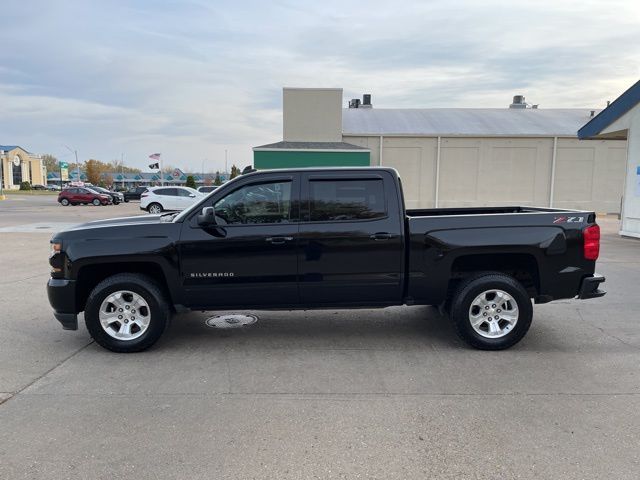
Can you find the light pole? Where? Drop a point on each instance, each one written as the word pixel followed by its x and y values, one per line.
pixel 2 157
pixel 77 164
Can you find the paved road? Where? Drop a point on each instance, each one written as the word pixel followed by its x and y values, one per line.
pixel 388 394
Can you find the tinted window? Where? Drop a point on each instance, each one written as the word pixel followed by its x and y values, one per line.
pixel 166 191
pixel 256 203
pixel 206 189
pixel 183 193
pixel 334 200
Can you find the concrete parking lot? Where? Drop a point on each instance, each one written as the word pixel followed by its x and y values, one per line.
pixel 387 394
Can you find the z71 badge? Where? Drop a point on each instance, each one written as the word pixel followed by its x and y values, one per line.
pixel 568 219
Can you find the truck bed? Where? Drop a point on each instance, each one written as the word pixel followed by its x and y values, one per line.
pixel 433 212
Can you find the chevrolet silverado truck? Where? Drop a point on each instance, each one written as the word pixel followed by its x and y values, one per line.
pixel 321 238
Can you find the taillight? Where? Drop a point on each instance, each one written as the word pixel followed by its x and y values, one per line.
pixel 591 237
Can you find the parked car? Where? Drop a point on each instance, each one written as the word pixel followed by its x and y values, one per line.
pixel 134 193
pixel 82 195
pixel 54 188
pixel 37 186
pixel 159 199
pixel 253 244
pixel 207 188
pixel 116 197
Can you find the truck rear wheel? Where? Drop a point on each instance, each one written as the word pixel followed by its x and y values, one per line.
pixel 126 313
pixel 491 311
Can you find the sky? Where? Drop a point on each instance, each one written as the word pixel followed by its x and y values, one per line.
pixel 191 79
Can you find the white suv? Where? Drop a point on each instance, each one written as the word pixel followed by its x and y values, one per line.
pixel 157 199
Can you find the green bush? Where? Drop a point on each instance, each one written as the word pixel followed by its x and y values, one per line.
pixel 25 186
pixel 191 181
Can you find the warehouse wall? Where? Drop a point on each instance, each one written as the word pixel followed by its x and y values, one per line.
pixel 500 171
pixel 312 114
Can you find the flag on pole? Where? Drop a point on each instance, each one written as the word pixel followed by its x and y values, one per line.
pixel 154 156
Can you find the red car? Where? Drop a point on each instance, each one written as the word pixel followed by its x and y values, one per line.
pixel 79 195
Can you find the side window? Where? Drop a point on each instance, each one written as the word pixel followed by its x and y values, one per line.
pixel 256 203
pixel 166 191
pixel 182 192
pixel 335 200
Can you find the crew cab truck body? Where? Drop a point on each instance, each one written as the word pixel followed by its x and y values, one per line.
pixel 321 238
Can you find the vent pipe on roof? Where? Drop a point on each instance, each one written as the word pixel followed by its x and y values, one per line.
pixel 518 102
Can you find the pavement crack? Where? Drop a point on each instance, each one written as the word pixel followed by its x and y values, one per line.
pixel 59 364
pixel 604 332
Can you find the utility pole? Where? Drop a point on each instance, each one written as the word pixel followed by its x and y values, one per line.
pixel 77 164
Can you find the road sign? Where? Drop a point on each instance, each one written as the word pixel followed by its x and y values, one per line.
pixel 64 165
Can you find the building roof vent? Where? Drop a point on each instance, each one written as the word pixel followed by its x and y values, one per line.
pixel 366 101
pixel 518 102
pixel 354 103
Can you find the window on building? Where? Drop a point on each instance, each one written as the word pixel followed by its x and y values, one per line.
pixel 335 200
pixel 17 173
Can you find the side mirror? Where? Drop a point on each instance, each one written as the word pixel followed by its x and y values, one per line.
pixel 207 218
pixel 192 195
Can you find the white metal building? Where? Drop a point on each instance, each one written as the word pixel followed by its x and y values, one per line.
pixel 454 157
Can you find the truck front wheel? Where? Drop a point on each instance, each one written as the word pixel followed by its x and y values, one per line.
pixel 126 313
pixel 491 311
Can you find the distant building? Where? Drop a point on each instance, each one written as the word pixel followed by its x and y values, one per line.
pixel 455 157
pixel 19 165
pixel 177 177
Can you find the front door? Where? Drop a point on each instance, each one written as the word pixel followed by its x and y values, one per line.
pixel 351 240
pixel 249 258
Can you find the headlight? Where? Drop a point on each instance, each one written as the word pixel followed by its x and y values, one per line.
pixel 56 247
pixel 56 259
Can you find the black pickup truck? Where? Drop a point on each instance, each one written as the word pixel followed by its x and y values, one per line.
pixel 321 238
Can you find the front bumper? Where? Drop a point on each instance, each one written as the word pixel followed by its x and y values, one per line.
pixel 62 297
pixel 589 287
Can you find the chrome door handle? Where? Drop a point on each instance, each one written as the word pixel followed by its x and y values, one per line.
pixel 278 240
pixel 381 236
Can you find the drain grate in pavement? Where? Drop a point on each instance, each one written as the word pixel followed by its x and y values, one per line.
pixel 232 320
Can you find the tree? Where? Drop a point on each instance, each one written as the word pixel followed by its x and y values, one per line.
pixel 218 181
pixel 235 171
pixel 50 162
pixel 107 180
pixel 191 182
pixel 93 171
pixel 116 166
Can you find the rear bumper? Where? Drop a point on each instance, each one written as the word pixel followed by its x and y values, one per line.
pixel 62 297
pixel 589 287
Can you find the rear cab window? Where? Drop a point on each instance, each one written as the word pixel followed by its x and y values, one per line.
pixel 334 200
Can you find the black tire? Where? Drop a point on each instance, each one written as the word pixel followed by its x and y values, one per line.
pixel 126 200
pixel 154 204
pixel 469 290
pixel 95 202
pixel 149 291
pixel 64 202
pixel 115 202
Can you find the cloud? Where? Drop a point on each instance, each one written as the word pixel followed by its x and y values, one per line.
pixel 192 79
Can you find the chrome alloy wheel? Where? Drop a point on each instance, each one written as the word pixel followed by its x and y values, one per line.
pixel 155 209
pixel 493 314
pixel 124 315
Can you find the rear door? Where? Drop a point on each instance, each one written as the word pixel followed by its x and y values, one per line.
pixel 351 248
